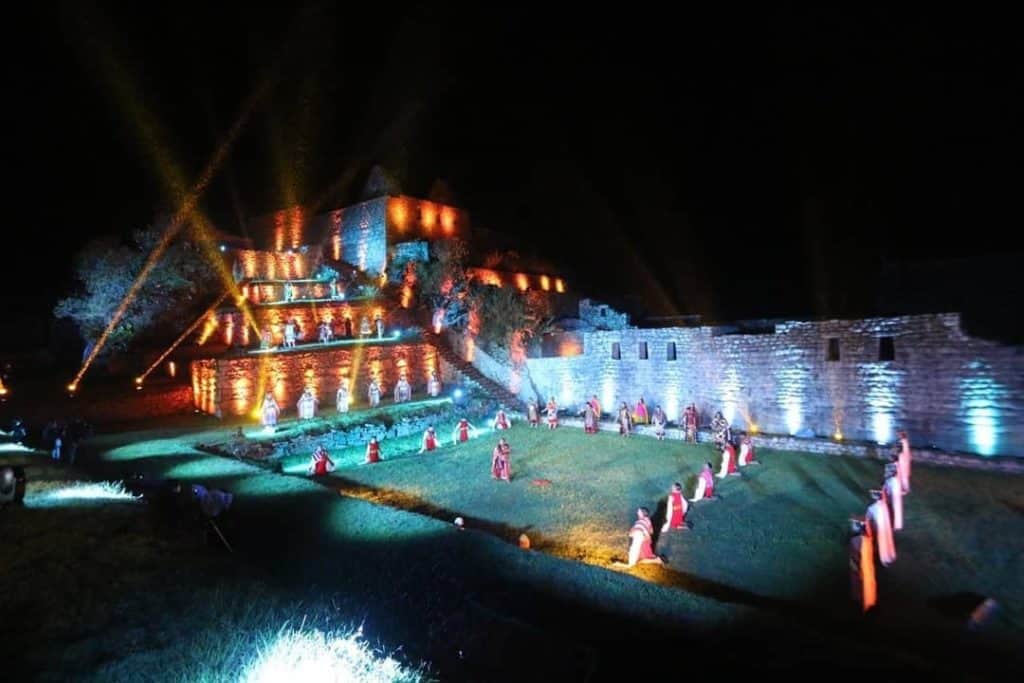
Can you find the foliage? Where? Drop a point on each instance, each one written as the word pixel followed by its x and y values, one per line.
pixel 442 282
pixel 177 289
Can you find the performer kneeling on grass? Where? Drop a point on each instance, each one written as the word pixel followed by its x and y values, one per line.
pixel 461 431
pixel 640 538
pixel 372 451
pixel 322 463
pixel 705 485
pixel 728 462
pixel 746 456
pixel 675 511
pixel 501 463
pixel 429 440
pixel 501 420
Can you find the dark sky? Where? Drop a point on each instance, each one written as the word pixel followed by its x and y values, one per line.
pixel 737 164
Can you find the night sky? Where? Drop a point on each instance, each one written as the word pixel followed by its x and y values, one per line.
pixel 741 164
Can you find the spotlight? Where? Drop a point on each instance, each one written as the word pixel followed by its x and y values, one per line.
pixel 72 388
pixel 12 485
pixel 457 393
pixel 838 436
pixel 223 248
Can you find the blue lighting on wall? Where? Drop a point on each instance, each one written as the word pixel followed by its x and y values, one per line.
pixel 883 398
pixel 979 400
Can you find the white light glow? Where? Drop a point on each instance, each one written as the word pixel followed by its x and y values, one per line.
pixel 730 394
pixel 608 396
pixel 671 406
pixel 793 419
pixel 82 492
pixel 314 656
pixel 979 398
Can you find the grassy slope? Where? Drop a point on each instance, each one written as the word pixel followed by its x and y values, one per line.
pixel 777 531
pixel 435 591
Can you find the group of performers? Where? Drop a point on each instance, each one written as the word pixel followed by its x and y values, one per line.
pixel 627 419
pixel 270 411
pixel 533 411
pixel 875 531
pixel 325 333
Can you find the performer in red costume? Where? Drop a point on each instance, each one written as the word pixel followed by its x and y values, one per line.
pixel 461 432
pixel 429 440
pixel 675 512
pixel 372 451
pixel 501 463
pixel 322 463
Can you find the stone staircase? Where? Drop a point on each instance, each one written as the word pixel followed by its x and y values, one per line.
pixel 472 374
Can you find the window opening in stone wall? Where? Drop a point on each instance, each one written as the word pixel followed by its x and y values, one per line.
pixel 886 348
pixel 833 349
pixel 642 350
pixel 616 352
pixel 670 351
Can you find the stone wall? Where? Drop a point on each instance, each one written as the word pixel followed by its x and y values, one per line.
pixel 949 390
pixel 249 264
pixel 602 316
pixel 361 235
pixel 235 386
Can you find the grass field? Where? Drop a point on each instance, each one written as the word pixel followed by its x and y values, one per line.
pixel 105 593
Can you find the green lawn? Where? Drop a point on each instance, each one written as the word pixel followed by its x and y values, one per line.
pixel 764 565
pixel 776 532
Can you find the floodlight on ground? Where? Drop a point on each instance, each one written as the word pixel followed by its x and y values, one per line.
pixel 82 492
pixel 315 655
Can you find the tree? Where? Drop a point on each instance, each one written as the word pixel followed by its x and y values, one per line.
pixel 181 284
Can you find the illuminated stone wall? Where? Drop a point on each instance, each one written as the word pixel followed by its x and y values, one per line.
pixel 947 389
pixel 521 281
pixel 361 233
pixel 235 386
pixel 411 218
pixel 275 265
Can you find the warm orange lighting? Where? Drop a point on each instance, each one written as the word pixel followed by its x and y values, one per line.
pixel 408 282
pixel 336 234
pixel 570 347
pixel 522 282
pixel 400 214
pixel 448 220
pixel 428 215
pixel 72 387
pixel 3 389
pixel 208 328
pixel 545 283
pixel 138 380
pixel 487 276
pixel 229 329
pixel 838 436
pixel 446 286
pixel 753 428
pixel 559 286
pixel 172 369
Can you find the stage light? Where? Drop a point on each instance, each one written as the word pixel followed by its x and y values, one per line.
pixel 72 388
pixel 457 393
pixel 223 248
pixel 838 436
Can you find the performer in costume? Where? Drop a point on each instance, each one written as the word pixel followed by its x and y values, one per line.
pixel 640 414
pixel 640 539
pixel 589 419
pixel 501 464
pixel 429 440
pixel 269 411
pixel 307 405
pixel 904 461
pixel 373 392
pixel 289 335
pixel 343 398
pixel 862 565
pixel 322 463
pixel 675 510
pixel 728 467
pixel 552 413
pixel 372 451
pixel 881 529
pixel 720 430
pixel 625 420
pixel 501 420
pixel 746 456
pixel 533 412
pixel 434 386
pixel 596 405
pixel 659 420
pixel 348 327
pixel 690 423
pixel 364 327
pixel 705 484
pixel 892 493
pixel 403 390
pixel 378 322
pixel 461 431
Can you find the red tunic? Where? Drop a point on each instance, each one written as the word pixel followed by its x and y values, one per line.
pixel 501 422
pixel 709 483
pixel 373 452
pixel 320 467
pixel 678 516
pixel 463 430
pixel 732 458
pixel 430 441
